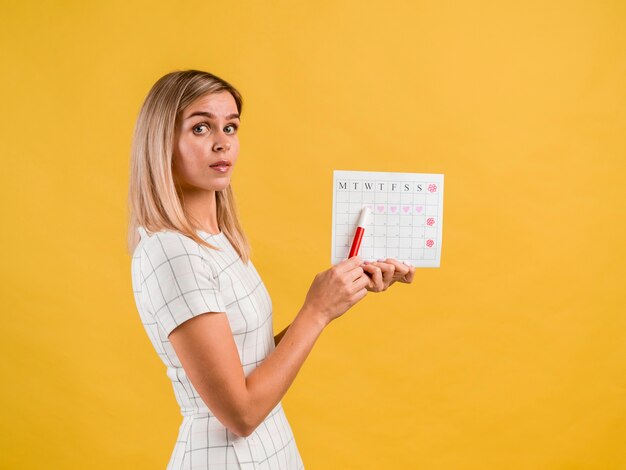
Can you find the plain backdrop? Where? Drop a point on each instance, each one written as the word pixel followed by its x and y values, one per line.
pixel 511 355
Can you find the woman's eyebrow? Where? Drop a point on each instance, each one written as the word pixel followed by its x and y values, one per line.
pixel 211 115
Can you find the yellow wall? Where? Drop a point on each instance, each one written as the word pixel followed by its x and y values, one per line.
pixel 512 355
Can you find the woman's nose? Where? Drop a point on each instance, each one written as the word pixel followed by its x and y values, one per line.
pixel 221 145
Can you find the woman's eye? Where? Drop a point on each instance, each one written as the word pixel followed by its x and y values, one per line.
pixel 233 126
pixel 198 127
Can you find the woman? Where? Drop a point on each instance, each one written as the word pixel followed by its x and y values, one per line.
pixel 200 298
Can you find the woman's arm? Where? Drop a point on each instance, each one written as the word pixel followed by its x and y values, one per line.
pixel 207 351
pixel 208 354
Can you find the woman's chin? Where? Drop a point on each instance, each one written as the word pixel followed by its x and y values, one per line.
pixel 221 184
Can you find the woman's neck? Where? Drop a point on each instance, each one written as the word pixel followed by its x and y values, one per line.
pixel 201 207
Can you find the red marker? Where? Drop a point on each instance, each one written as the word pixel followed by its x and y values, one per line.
pixel 360 230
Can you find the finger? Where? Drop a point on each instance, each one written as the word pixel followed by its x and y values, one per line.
pixel 401 268
pixel 348 264
pixel 388 269
pixel 369 267
pixel 353 274
pixel 377 276
pixel 409 277
pixel 361 283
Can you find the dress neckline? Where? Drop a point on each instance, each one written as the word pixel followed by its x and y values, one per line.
pixel 144 233
pixel 219 234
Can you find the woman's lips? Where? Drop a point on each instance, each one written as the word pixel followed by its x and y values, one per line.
pixel 222 168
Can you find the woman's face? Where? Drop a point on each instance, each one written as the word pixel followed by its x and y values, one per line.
pixel 206 136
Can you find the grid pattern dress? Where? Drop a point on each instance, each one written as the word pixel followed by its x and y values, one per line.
pixel 174 279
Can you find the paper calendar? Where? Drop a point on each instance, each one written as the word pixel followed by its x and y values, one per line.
pixel 406 216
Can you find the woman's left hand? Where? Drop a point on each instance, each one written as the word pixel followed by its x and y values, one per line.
pixel 386 272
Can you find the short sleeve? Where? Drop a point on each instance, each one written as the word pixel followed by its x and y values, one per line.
pixel 178 284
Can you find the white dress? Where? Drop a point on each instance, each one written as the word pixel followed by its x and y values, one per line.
pixel 174 279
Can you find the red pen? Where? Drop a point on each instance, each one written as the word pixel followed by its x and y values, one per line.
pixel 360 230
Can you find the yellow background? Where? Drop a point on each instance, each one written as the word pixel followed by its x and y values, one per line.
pixel 512 355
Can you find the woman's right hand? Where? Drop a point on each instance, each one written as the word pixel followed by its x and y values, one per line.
pixel 337 289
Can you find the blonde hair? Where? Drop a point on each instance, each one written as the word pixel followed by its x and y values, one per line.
pixel 152 198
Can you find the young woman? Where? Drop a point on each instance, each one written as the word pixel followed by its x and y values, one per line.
pixel 200 298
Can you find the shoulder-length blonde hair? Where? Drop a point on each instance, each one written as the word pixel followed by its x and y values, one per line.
pixel 153 200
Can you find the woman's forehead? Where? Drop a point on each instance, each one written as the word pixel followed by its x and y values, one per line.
pixel 223 104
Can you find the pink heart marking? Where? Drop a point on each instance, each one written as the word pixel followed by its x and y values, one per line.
pixel 380 209
pixel 393 208
pixel 406 209
pixel 419 209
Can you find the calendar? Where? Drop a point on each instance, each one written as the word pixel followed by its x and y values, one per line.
pixel 406 216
